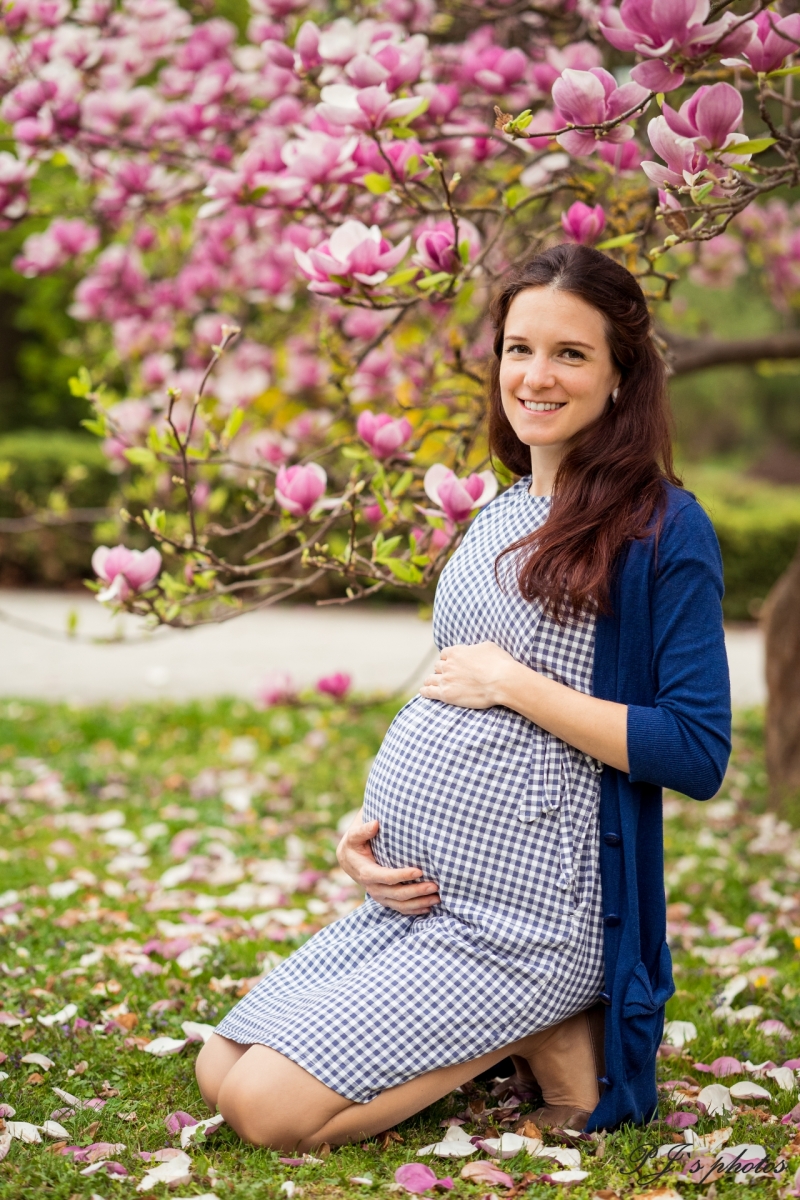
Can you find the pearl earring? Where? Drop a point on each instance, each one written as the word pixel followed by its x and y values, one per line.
pixel 614 395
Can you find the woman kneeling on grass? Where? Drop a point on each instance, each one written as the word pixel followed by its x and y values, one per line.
pixel 582 668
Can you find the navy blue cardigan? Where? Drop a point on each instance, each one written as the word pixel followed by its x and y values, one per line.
pixel 661 652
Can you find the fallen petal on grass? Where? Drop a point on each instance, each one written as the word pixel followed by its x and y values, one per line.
pixel 163 1046
pixel 200 1129
pixel 484 1172
pixel 23 1131
pixel 176 1169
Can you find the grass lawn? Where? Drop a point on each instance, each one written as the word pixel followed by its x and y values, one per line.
pixel 156 860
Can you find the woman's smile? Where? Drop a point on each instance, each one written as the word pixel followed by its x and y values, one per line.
pixel 542 406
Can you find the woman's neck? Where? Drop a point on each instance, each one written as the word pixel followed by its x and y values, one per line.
pixel 545 461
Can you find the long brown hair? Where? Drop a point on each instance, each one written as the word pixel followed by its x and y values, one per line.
pixel 610 482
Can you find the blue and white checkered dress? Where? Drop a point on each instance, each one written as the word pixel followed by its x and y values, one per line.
pixel 504 817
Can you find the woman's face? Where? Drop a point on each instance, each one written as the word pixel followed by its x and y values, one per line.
pixel 556 371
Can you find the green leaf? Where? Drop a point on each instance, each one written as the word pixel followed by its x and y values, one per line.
pixel 700 194
pixel 357 452
pixel 403 484
pixel 97 427
pixel 754 146
pixel 431 161
pixel 233 424
pixel 433 281
pixel 415 112
pixel 141 457
pixel 377 184
pixel 779 74
pixel 403 570
pixel 624 239
pixel 514 194
pixel 80 384
pixel 404 276
pixel 383 547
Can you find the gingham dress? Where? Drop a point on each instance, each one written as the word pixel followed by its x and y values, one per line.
pixel 504 817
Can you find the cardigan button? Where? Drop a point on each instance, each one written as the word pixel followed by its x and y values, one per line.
pixel 612 839
pixel 604 1080
pixel 604 998
pixel 611 920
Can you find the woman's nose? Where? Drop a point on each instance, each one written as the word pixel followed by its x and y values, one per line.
pixel 539 372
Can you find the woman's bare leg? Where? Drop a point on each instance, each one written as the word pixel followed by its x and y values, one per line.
pixel 271 1101
pixel 214 1062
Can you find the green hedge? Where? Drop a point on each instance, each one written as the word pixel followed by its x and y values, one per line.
pixel 758 526
pixel 50 470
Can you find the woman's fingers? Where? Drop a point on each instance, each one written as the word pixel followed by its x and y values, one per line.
pixel 399 899
pixel 361 833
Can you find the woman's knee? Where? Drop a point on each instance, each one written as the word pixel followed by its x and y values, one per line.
pixel 270 1101
pixel 215 1060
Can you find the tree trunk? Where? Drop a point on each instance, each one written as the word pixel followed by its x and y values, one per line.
pixel 781 622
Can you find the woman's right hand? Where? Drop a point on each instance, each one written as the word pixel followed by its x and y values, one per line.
pixel 395 889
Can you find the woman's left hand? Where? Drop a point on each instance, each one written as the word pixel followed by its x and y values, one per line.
pixel 470 676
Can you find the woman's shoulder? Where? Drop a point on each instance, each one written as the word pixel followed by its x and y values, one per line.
pixel 684 520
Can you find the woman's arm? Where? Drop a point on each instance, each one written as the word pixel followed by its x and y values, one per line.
pixel 484 675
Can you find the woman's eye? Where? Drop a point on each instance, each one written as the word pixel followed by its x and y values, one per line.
pixel 575 355
pixel 516 347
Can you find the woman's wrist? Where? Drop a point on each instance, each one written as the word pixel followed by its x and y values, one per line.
pixel 516 686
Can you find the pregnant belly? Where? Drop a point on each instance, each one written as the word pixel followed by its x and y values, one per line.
pixel 445 774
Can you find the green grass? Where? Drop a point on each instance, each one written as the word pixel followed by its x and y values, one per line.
pixel 305 769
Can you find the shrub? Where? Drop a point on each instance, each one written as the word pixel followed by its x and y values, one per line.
pixel 59 472
pixel 758 526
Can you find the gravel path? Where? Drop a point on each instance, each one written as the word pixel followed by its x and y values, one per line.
pixel 383 649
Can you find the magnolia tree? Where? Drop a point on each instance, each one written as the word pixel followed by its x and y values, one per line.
pixel 283 237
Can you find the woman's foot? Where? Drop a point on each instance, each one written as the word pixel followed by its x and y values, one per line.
pixel 567 1063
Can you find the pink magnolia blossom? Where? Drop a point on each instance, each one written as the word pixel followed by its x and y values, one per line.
pixel 767 50
pixel 719 263
pixel 311 425
pixel 362 108
pixel 298 488
pixel 684 157
pixel 277 688
pixel 14 179
pixel 579 56
pixel 63 240
pixel 306 45
pixel 436 248
pixel 336 685
pixel 373 513
pixel 590 98
pixel 125 571
pixel 383 434
pixel 491 67
pixel 457 498
pixel 622 156
pixel 128 423
pixel 353 252
pixel 582 223
pixel 666 30
pixel 392 64
pixel 710 117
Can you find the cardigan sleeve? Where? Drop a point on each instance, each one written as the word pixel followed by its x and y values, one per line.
pixel 684 741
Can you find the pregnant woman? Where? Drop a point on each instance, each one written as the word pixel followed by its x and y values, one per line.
pixel 514 809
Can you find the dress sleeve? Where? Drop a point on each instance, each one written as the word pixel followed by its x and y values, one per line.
pixel 684 741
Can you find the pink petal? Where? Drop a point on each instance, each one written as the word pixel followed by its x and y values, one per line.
pixel 415 1178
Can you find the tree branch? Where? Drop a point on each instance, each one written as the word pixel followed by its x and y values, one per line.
pixel 685 354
